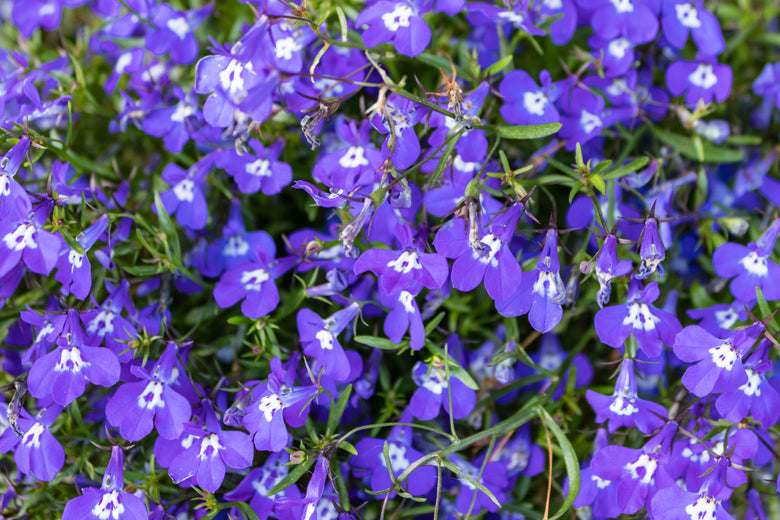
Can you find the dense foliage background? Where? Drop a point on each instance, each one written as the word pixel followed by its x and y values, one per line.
pixel 387 259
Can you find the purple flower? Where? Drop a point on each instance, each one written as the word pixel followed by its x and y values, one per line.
pixel 702 80
pixel 37 452
pixel 750 266
pixel 397 21
pixel 527 104
pixel 399 117
pixel 259 171
pixel 630 18
pixel 75 273
pixel 651 249
pixel 109 501
pixel 684 17
pixel 185 197
pixel 174 123
pixel 608 267
pixel 277 402
pixel 252 282
pixel 12 195
pixel 436 391
pixel 24 239
pixel 319 340
pixel 719 366
pixel 256 485
pixel 30 15
pixel 651 327
pixel 210 450
pixel 172 33
pixel 135 405
pixel 471 499
pixel 624 408
pixel 673 503
pixel 518 15
pixel 404 315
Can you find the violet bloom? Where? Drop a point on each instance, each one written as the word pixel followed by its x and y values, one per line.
pixel 354 164
pixel 541 293
pixel 597 492
pixel 75 272
pixel 585 116
pixel 277 403
pixel 472 144
pixel 562 29
pixel 608 267
pixel 720 317
pixel 28 16
pixel 107 324
pixel 719 366
pixel 624 408
pixel 684 17
pixel 62 374
pixel 673 503
pixel 109 501
pixel 404 315
pixel 210 450
pixel 750 266
pixel 518 15
pixel 173 32
pixel 435 392
pixel 525 103
pixel 397 21
pixel 482 254
pixel 400 454
pixel 185 198
pixel 613 18
pixel 10 190
pixel 319 340
pixel 135 406
pixel 24 239
pixel 255 486
pixel 402 270
pixel 651 327
pixel 36 452
pixel 702 80
pixel 259 171
pixel 174 123
pixel 651 250
pixel 493 477
pixel 399 117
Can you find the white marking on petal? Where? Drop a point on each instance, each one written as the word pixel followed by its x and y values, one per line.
pixel 618 48
pixel 124 61
pixel 182 112
pixel 753 385
pixel 253 280
pixel 47 9
pixel 600 482
pixel 184 190
pixel 640 317
pixel 397 455
pixel 433 381
pixel 512 16
pixel 398 17
pixel 269 405
pixel 210 447
pixel 187 442
pixel 70 361
pixel 231 80
pixel 488 256
pixel 406 262
pixel 589 122
pixel 535 102
pixel 553 4
pixel 236 246
pixel 109 506
pixel 325 337
pixel 285 48
pixel 407 300
pixel 703 509
pixel 259 168
pixel 21 238
pixel 755 264
pixel 550 286
pixel 726 318
pixel 688 15
pixel 32 437
pixel 623 406
pixel 623 6
pixel 724 356
pixel 647 465
pixel 353 158
pixel 102 324
pixel 151 397
pixel 703 76
pixel 179 27
pixel 75 259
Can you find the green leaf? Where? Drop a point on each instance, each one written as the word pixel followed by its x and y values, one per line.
pixel 445 155
pixel 569 458
pixel 765 309
pixel 348 447
pixel 452 365
pixel 704 152
pixel 337 411
pixel 598 183
pixel 433 323
pixel 499 65
pixel 169 228
pixel 523 131
pixel 141 270
pixel 381 343
pixel 292 477
pixel 468 478
pixel 622 171
pixel 68 238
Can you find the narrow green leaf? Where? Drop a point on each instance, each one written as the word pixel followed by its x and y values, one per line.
pixel 381 343
pixel 141 270
pixel 348 447
pixel 569 458
pixel 337 411
pixel 433 323
pixel 68 238
pixel 292 477
pixel 468 478
pixel 621 171
pixel 452 365
pixel 445 155
pixel 499 65
pixel 704 152
pixel 523 131
pixel 168 227
pixel 598 183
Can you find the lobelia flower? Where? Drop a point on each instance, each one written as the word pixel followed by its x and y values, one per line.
pixel 651 249
pixel 639 474
pixel 585 116
pixel 399 117
pixel 404 315
pixel 599 493
pixel 435 392
pixel 107 324
pixel 135 406
pixel 314 490
pixel 174 123
pixel 518 15
pixel 172 31
pixel 259 171
pixel 36 451
pixel 562 29
pixel 624 408
pixel 527 104
pixel 719 368
pixel 684 17
pixel 720 317
pixel 613 18
pixel 542 293
pixel 40 13
pixel 673 503
pixel 354 164
pixel 483 253
pixel 399 271
pixel 651 327
pixel 398 21
pixel 400 454
pixel 472 144
pixel 608 267
pixel 10 189
pixel 185 197
pixel 319 341
pixel 750 266
pixel 109 501
pixel 702 80
pixel 255 486
pixel 277 402
pixel 62 374
pixel 22 238
pixel 210 450
pixel 75 273
pixel 473 500
pixel 757 396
